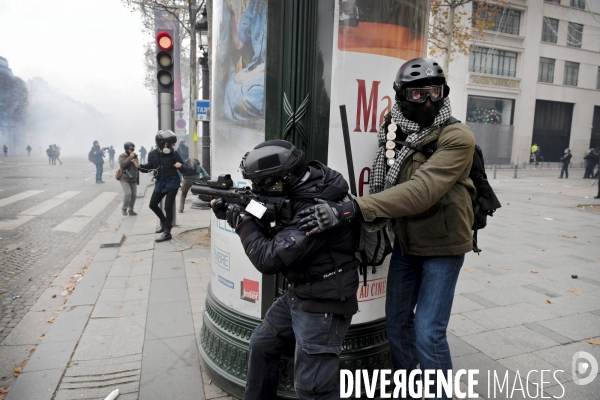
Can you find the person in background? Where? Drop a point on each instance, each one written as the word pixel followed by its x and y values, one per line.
pixel 188 180
pixel 164 162
pixel 130 177
pixel 56 152
pixel 5 150
pixel 534 148
pixel 111 157
pixel 28 148
pixel 566 159
pixel 143 154
pixel 50 154
pixel 538 156
pixel 591 159
pixel 96 156
pixel 183 150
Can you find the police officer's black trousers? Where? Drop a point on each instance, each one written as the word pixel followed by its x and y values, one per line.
pixel 165 221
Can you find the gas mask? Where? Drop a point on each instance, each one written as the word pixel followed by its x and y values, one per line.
pixel 422 113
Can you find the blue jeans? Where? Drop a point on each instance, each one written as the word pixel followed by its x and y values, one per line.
pixel 318 343
pixel 419 337
pixel 99 168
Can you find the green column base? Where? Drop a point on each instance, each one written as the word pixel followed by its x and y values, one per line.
pixel 224 348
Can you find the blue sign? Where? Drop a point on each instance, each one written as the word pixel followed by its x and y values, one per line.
pixel 226 282
pixel 202 110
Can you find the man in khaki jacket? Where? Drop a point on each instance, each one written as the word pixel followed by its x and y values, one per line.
pixel 420 178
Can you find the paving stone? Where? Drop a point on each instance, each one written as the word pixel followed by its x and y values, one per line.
pixel 512 295
pixel 508 342
pixel 168 290
pixel 106 254
pixel 38 385
pixel 550 334
pixel 50 356
pixel 112 309
pixel 179 383
pixel 468 285
pixel 570 304
pixel 11 356
pixel 576 327
pixel 169 320
pixel 98 393
pixel 527 363
pixel 68 325
pixel 116 282
pixel 459 347
pixel 570 390
pixel 460 325
pixel 561 286
pixel 542 291
pixel 29 329
pixel 161 355
pixel 511 315
pixel 480 300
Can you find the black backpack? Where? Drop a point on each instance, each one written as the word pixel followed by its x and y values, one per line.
pixel 485 202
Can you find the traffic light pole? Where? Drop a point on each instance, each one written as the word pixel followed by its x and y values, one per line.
pixel 205 124
pixel 165 111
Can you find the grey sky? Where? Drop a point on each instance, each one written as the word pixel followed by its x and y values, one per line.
pixel 91 50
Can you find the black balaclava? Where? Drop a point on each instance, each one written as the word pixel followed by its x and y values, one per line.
pixel 422 113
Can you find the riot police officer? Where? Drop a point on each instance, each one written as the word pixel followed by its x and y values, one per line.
pixel 316 311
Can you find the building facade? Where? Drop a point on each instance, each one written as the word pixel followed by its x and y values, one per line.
pixel 534 77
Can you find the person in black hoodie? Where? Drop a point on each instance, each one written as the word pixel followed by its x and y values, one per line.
pixel 566 160
pixel 164 162
pixel 317 309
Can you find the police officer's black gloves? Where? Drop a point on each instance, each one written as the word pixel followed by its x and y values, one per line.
pixel 324 216
pixel 233 214
pixel 219 208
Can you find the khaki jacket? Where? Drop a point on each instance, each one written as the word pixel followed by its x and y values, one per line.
pixel 432 201
pixel 126 164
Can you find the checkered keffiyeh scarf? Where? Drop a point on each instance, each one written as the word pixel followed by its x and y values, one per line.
pixel 383 176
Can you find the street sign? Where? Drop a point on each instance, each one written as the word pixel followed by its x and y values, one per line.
pixel 180 123
pixel 202 110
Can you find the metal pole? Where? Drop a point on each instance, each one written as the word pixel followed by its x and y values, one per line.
pixel 205 124
pixel 516 167
pixel 494 171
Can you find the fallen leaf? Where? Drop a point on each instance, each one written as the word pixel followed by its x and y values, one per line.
pixel 470 269
pixel 17 370
pixel 50 320
pixel 210 382
pixel 41 337
pixel 24 363
pixel 198 261
pixel 598 257
pixel 575 292
pixel 4 391
pixel 533 271
pixel 11 272
pixel 31 351
pixel 118 306
pixel 541 250
pixel 506 268
pixel 29 278
pixel 593 341
pixel 53 296
pixel 548 301
pixel 566 236
pixel 137 260
pixel 176 268
pixel 141 288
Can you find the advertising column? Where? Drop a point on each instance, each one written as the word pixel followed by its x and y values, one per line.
pixel 372 39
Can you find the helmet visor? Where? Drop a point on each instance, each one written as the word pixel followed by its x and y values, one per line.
pixel 271 186
pixel 419 95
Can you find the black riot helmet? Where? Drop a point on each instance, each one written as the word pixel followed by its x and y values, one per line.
pixel 165 141
pixel 274 167
pixel 419 72
pixel 129 146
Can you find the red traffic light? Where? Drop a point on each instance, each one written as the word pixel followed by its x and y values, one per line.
pixel 164 40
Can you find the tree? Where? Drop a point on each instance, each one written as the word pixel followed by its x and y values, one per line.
pixel 451 29
pixel 186 13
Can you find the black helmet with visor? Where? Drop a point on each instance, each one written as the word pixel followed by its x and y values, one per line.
pixel 420 78
pixel 274 167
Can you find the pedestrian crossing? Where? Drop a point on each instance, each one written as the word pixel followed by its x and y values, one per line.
pixel 74 224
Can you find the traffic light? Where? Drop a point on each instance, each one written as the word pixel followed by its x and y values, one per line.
pixel 164 61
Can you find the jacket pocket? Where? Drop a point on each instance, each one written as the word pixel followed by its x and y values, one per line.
pixel 428 226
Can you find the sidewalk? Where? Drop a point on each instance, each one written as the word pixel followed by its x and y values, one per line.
pixel 131 323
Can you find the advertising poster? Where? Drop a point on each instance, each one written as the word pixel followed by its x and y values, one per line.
pixel 237 125
pixel 372 39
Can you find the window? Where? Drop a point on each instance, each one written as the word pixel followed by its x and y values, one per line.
pixel 575 34
pixel 549 30
pixel 498 19
pixel 553 1
pixel 578 4
pixel 546 73
pixel 493 61
pixel 598 79
pixel 490 110
pixel 571 73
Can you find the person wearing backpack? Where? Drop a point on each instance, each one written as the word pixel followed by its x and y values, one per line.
pixel 130 177
pixel 566 160
pixel 420 178
pixel 96 156
pixel 196 171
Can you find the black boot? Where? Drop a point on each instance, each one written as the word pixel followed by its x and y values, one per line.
pixel 160 230
pixel 165 236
